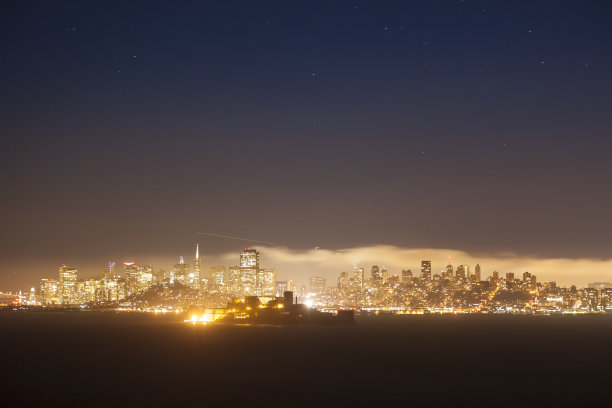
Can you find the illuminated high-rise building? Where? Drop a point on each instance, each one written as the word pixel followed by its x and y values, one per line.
pixel 130 272
pixel 406 276
pixel 291 285
pixel 67 285
pixel 145 278
pixel 137 278
pixel 358 278
pixel 281 288
pixel 510 276
pixel 449 272
pixel 92 291
pixel 343 281
pixel 460 273
pixel 181 272
pixel 41 290
pixel 109 269
pixel 266 282
pixel 375 275
pixel 317 284
pixel 49 291
pixel 216 279
pixel 384 274
pixel 249 258
pixel 284 286
pixel 233 280
pixel 112 289
pixel 249 268
pixel 477 275
pixel 194 277
pixel 426 270
pixel 32 297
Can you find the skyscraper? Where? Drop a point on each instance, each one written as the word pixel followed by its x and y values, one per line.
pixel 137 278
pixel 384 274
pixel 317 284
pixel 477 275
pixel 181 272
pixel 406 276
pixel 216 278
pixel 249 268
pixel 343 281
pixel 449 271
pixel 67 285
pixel 234 280
pixel 426 270
pixel 358 278
pixel 49 291
pixel 130 271
pixel 291 286
pixel 92 291
pixel 109 269
pixel 281 287
pixel 266 282
pixel 460 272
pixel 375 275
pixel 197 265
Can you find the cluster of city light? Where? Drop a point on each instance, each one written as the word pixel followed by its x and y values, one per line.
pixel 454 290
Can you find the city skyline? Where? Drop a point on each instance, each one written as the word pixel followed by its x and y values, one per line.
pixel 251 293
pixel 306 203
pixel 218 271
pixel 477 127
pixel 300 265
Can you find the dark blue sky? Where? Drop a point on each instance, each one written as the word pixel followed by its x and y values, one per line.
pixel 478 125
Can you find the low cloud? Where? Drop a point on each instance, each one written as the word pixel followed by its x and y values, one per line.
pixel 302 264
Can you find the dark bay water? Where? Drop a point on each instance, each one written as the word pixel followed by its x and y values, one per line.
pixel 89 359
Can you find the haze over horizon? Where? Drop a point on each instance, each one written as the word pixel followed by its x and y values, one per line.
pixel 475 126
pixel 301 264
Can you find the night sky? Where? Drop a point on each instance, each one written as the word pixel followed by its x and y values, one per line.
pixel 127 127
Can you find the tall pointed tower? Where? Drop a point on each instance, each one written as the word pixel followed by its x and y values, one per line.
pixel 197 265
